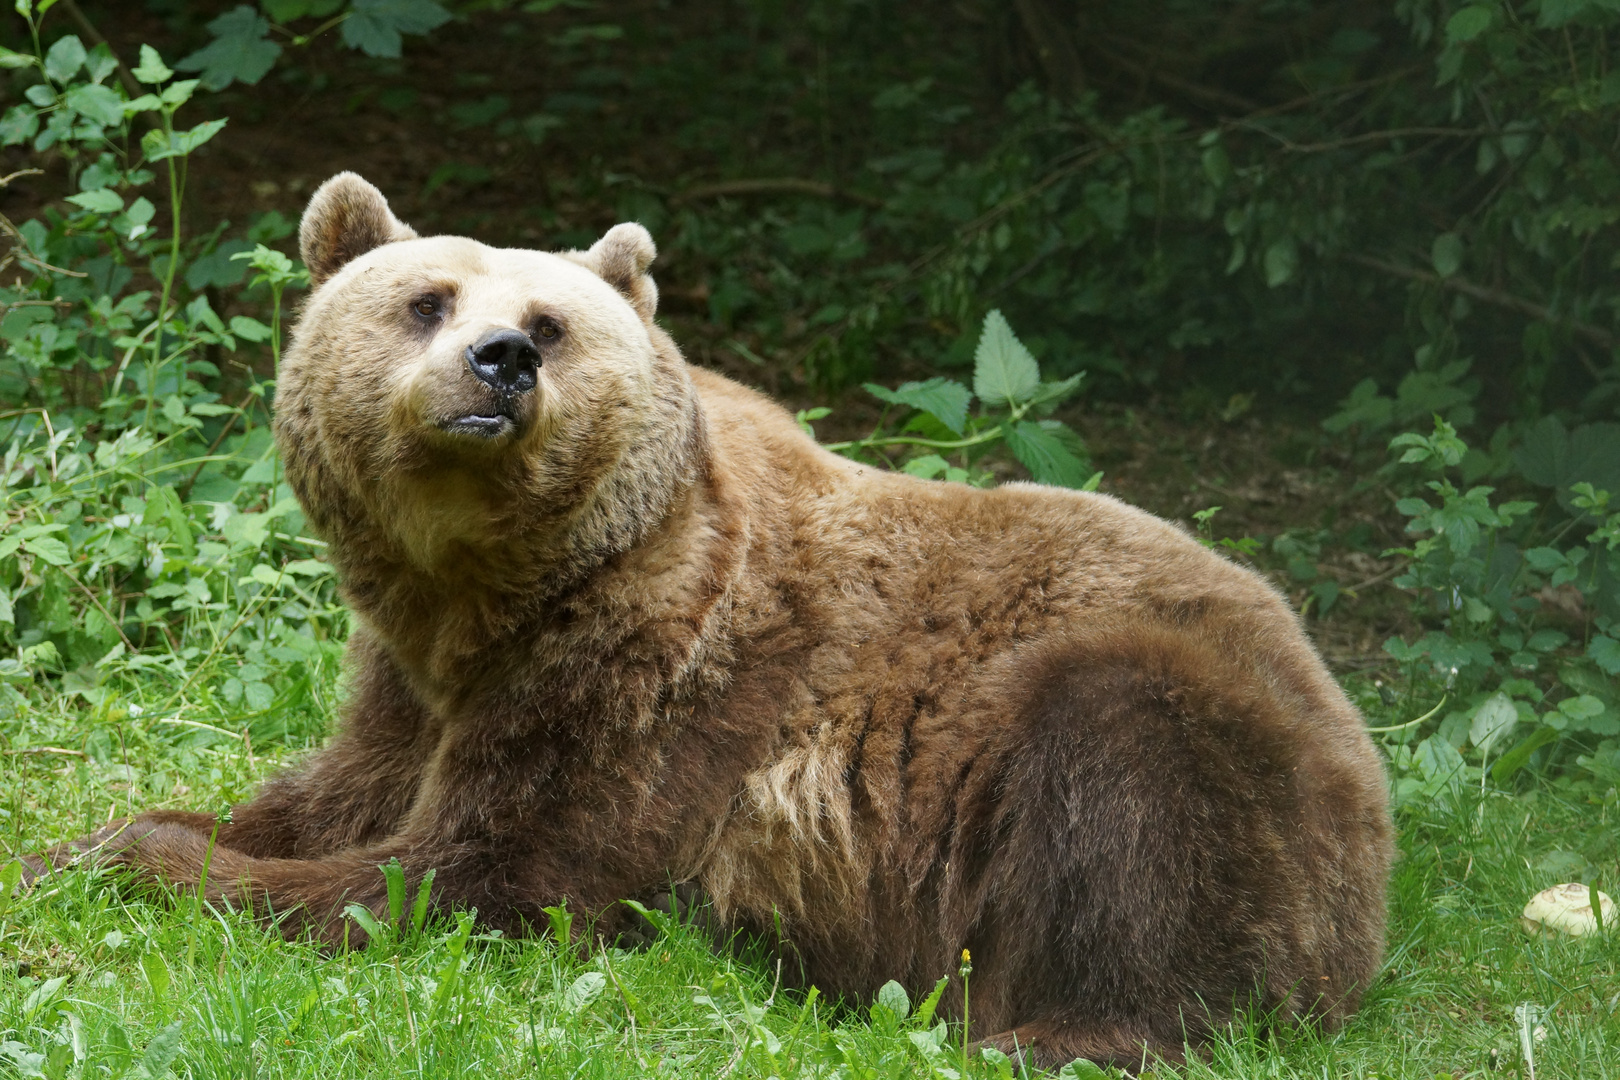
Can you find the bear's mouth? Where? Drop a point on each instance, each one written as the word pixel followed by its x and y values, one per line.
pixel 493 424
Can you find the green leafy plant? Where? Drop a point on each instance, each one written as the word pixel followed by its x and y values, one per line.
pixel 244 45
pixel 1480 569
pixel 1014 411
pixel 151 565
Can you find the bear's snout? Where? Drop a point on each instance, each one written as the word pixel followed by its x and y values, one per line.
pixel 505 360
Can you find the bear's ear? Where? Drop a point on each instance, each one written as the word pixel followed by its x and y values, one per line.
pixel 346 218
pixel 621 259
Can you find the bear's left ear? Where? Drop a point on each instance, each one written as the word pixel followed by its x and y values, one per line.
pixel 346 218
pixel 621 259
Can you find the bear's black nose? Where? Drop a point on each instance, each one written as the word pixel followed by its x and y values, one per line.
pixel 505 359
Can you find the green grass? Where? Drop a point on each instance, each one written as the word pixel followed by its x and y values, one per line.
pixel 123 981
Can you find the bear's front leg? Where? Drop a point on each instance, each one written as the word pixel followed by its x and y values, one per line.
pixel 357 789
pixel 502 823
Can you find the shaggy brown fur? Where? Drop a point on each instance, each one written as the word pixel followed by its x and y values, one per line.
pixel 648 630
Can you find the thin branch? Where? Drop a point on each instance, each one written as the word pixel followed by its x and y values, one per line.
pixel 128 644
pixel 45 750
pixel 784 186
pixel 90 31
pixel 1204 94
pixel 1490 296
pixel 1355 140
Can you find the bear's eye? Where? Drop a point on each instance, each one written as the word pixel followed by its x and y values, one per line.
pixel 427 306
pixel 546 329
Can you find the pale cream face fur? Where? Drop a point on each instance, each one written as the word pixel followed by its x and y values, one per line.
pixel 388 383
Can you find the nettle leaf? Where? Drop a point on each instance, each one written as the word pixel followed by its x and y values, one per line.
pixel 375 26
pixel 944 399
pixel 240 51
pixel 1046 455
pixel 1052 394
pixel 1004 372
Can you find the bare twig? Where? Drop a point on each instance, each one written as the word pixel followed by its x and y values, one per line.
pixel 1490 296
pixel 128 644
pixel 29 750
pixel 96 38
pixel 1205 94
pixel 185 489
pixel 1355 140
pixel 5 181
pixel 783 186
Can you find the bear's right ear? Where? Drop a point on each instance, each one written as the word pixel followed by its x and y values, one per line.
pixel 346 218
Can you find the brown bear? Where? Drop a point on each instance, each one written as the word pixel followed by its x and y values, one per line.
pixel 620 622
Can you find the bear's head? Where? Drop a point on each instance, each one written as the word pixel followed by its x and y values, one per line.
pixel 450 405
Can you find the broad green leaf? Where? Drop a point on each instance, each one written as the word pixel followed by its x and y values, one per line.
pixel 50 549
pixel 10 58
pixel 374 27
pixel 945 399
pixel 1605 651
pixel 152 69
pixel 64 59
pixel 19 124
pixel 1469 23
pixel 927 467
pixel 1054 393
pixel 892 996
pixel 583 990
pixel 1515 759
pixel 1556 13
pixel 42 995
pixel 240 52
pixel 1004 372
pixel 1081 1069
pixel 1494 719
pixel 1447 254
pixel 159 145
pixel 246 530
pixel 1044 453
pixel 1438 759
pixel 1581 707
pixel 178 93
pixel 98 103
pixel 161 1052
pixel 157 974
pixel 366 921
pixel 7 615
pixel 163 505
pixel 249 329
pixel 105 201
pixel 1281 260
